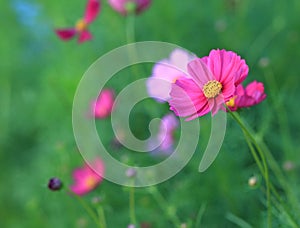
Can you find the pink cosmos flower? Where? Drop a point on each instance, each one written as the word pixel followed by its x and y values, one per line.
pixel 166 71
pixel 214 80
pixel 102 106
pixel 122 6
pixel 88 177
pixel 253 94
pixel 80 29
pixel 169 124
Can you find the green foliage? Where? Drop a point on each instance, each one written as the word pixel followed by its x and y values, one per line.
pixel 39 76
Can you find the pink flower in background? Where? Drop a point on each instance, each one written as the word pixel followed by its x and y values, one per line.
pixel 87 178
pixel 122 6
pixel 80 29
pixel 214 80
pixel 253 94
pixel 102 107
pixel 169 124
pixel 166 71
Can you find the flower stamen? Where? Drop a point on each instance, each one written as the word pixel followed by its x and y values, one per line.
pixel 231 102
pixel 80 25
pixel 212 88
pixel 90 182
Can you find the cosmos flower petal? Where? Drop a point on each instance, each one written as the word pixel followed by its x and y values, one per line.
pixel 242 72
pixel 84 36
pixel 180 58
pixel 79 173
pixel 142 5
pixel 65 34
pixel 201 112
pixel 186 98
pixel 246 97
pixel 226 66
pixel 216 104
pixel 87 177
pixel 158 88
pixel 92 10
pixel 166 72
pixel 120 5
pixel 256 90
pixel 103 105
pixel 200 72
pixel 254 94
pixel 228 90
pixel 98 167
pixel 169 124
pixel 79 190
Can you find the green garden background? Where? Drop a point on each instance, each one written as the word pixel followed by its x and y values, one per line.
pixel 39 76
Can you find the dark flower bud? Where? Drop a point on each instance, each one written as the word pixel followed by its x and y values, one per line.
pixel 55 184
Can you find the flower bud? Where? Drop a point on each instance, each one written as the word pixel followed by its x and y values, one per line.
pixel 131 172
pixel 252 182
pixel 55 184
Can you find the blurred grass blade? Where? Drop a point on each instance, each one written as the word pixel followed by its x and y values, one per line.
pixel 200 215
pixel 237 221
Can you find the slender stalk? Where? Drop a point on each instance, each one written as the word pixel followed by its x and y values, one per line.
pixel 101 216
pixel 130 28
pixel 260 147
pixel 272 188
pixel 253 152
pixel 200 215
pixel 88 209
pixel 281 207
pixel 132 206
pixel 130 37
pixel 262 166
pixel 161 201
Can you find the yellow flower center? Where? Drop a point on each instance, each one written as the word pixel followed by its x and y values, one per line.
pixel 175 79
pixel 90 182
pixel 231 102
pixel 80 25
pixel 212 88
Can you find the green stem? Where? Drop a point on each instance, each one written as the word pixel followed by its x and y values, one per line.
pixel 132 206
pixel 160 200
pixel 130 37
pixel 253 152
pixel 130 28
pixel 88 209
pixel 200 215
pixel 101 216
pixel 263 167
pixel 286 137
pixel 281 207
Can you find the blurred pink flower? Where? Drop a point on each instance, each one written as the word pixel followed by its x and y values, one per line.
pixel 122 6
pixel 166 71
pixel 214 80
pixel 253 94
pixel 80 29
pixel 169 124
pixel 87 178
pixel 102 107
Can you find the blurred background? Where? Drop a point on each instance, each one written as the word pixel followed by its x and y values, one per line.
pixel 39 76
